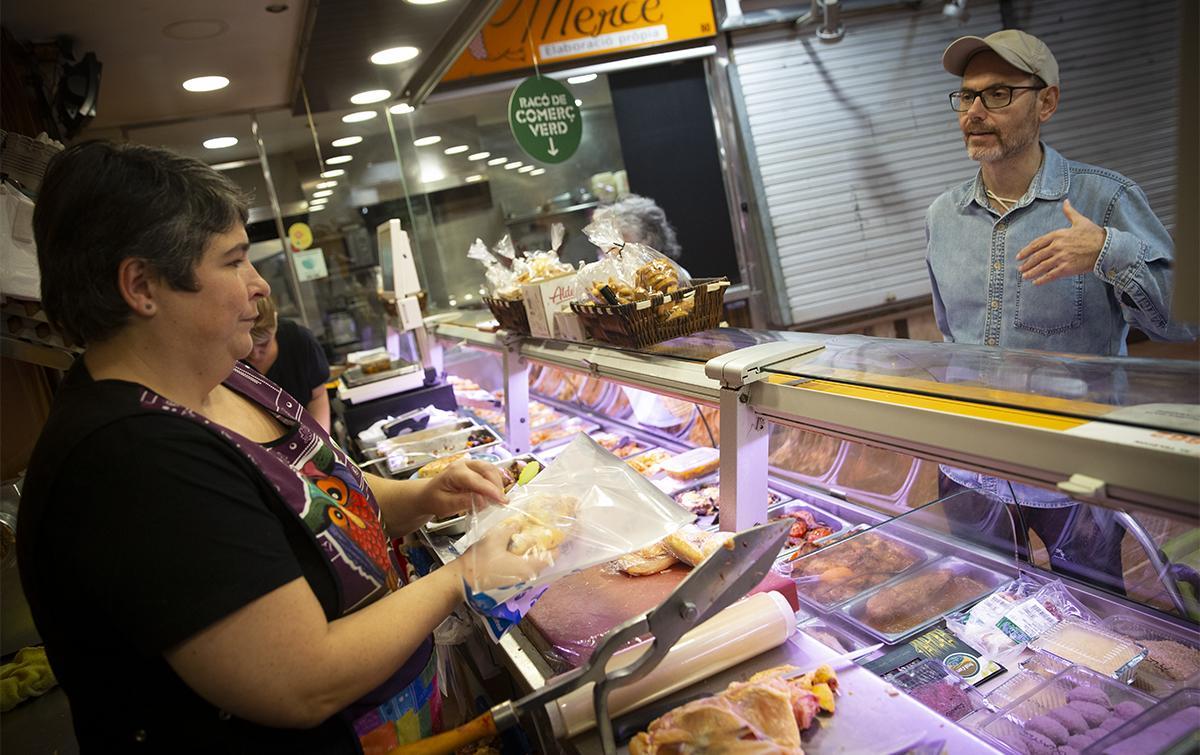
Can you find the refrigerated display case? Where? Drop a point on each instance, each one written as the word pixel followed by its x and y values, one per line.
pixel 854 430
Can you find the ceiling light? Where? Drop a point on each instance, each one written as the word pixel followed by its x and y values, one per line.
pixel 957 10
pixel 537 172
pixel 429 175
pixel 513 165
pixel 339 159
pixel 497 161
pixel 233 164
pixel 206 83
pixel 426 141
pixel 393 55
pixel 370 96
pixel 479 156
pixel 461 148
pixel 318 201
pixel 327 184
pixel 359 117
pixel 585 78
pixel 322 193
pixel 220 142
pixel 333 173
pixel 474 178
pixel 316 208
pixel 525 169
pixel 402 109
pixel 578 103
pixel 424 2
pixel 346 141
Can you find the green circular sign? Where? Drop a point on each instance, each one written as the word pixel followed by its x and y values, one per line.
pixel 545 120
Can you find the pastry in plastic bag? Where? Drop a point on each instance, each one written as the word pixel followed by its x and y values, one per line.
pixel 543 525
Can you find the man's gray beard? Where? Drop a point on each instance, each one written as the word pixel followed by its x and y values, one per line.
pixel 1004 148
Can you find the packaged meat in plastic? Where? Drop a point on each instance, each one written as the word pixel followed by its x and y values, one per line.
pixel 1002 624
pixel 501 281
pixel 629 271
pixel 587 507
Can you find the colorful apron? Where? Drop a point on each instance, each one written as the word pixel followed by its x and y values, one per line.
pixel 324 488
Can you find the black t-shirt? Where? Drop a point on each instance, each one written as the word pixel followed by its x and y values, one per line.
pixel 115 575
pixel 301 365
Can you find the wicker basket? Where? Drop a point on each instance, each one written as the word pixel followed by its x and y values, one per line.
pixel 24 160
pixel 510 314
pixel 644 323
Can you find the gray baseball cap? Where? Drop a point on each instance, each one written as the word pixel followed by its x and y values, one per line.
pixel 1023 51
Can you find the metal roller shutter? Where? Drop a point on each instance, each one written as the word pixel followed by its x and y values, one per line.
pixel 849 143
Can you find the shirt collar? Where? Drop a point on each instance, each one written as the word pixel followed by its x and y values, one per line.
pixel 1052 180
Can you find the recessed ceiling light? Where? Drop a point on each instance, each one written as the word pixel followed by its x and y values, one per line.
pixel 479 156
pixel 497 161
pixel 429 175
pixel 346 141
pixel 327 184
pixel 339 159
pixel 206 83
pixel 220 142
pixel 457 150
pixel 424 2
pixel 319 200
pixel 370 96
pixel 578 103
pixel 358 117
pixel 394 55
pixel 474 178
pixel 513 165
pixel 333 173
pixel 537 172
pixel 402 109
pixel 322 193
pixel 585 78
pixel 316 208
pixel 525 169
pixel 426 141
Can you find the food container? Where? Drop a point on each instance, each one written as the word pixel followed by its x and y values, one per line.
pixel 840 573
pixel 693 464
pixel 1045 665
pixel 1092 646
pixel 1172 656
pixel 406 456
pixel 1015 687
pixel 561 433
pixel 930 601
pixel 647 464
pixel 939 689
pixel 823 518
pixel 1162 729
pixel 1096 705
pixel 668 485
pixel 637 325
pixel 704 500
pixel 510 313
pixel 835 635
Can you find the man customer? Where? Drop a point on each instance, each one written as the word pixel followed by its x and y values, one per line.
pixel 1038 252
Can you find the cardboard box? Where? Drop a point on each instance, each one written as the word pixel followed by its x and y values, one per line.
pixel 543 299
pixel 568 326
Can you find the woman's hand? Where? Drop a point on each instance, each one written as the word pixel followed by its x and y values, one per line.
pixel 489 564
pixel 450 492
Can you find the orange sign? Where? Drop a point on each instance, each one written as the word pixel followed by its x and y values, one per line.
pixel 558 30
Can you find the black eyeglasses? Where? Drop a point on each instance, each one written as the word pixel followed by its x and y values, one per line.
pixel 994 98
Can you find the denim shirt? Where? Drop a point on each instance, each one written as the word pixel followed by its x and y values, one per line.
pixel 979 296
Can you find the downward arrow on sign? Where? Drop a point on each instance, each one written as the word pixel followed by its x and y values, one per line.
pixel 552 150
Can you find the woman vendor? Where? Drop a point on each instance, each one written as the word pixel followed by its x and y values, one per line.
pixel 209 571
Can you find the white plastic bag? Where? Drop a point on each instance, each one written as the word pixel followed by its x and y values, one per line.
pixel 586 508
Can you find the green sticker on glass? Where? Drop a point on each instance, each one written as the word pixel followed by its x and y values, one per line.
pixel 545 120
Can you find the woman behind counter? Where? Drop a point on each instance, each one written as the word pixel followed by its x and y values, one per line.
pixel 289 356
pixel 209 572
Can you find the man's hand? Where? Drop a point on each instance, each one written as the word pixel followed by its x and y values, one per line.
pixel 450 492
pixel 1065 252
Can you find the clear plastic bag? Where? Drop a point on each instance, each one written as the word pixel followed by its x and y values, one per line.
pixel 536 267
pixel 587 507
pixel 1002 624
pixel 641 266
pixel 501 281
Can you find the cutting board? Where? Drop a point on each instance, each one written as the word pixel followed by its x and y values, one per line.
pixel 571 617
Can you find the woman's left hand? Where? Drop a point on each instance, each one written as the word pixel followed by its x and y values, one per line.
pixel 450 492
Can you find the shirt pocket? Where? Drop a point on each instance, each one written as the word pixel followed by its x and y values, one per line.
pixel 1051 307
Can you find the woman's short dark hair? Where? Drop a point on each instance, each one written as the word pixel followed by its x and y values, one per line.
pixel 101 203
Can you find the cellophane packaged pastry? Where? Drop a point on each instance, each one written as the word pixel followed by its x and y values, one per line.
pixel 629 270
pixel 1001 625
pixel 588 507
pixel 501 280
pixel 536 267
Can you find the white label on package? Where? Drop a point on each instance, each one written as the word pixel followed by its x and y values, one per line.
pixel 990 610
pixel 1027 621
